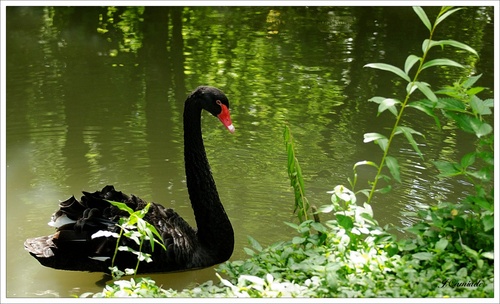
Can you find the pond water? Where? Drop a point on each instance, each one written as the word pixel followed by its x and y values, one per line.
pixel 95 97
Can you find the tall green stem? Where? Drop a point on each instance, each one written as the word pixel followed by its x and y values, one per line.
pixel 403 106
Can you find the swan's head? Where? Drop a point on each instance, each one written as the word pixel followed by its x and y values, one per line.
pixel 216 102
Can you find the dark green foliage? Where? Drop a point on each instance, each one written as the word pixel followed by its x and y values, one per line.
pixel 137 229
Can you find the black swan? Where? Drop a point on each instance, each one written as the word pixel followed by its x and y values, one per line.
pixel 72 246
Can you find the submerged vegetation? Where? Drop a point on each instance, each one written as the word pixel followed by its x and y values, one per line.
pixel 448 251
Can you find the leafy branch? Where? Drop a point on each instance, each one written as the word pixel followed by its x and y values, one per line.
pixel 296 179
pixel 397 107
pixel 138 230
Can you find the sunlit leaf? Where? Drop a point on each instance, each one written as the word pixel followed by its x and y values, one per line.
pixel 441 244
pixel 377 99
pixel 368 137
pixel 392 164
pixel 326 208
pixel 423 255
pixel 489 255
pixel 390 68
pixel 450 42
pixel 441 62
pixel 410 62
pixel 445 15
pixel 365 162
pixel 488 222
pixel 471 81
pixel 298 240
pixel 424 88
pixel 423 16
pixel 483 175
pixel 426 45
pixel 475 90
pixel 388 103
pixel 382 143
pixel 479 106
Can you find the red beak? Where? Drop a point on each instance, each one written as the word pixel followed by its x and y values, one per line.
pixel 225 118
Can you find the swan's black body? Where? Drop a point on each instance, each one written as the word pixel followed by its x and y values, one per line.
pixel 73 248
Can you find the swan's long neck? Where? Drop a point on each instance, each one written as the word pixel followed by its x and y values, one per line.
pixel 215 232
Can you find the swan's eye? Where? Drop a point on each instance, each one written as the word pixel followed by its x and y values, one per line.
pixel 218 102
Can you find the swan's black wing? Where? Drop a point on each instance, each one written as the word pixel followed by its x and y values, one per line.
pixel 83 238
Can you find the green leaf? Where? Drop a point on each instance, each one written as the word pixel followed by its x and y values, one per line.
pixel 385 190
pixel 426 45
pixel 483 175
pixel 377 99
pixel 392 164
pixel 298 240
pixel 479 106
pixel 364 163
pixel 447 169
pixel 458 222
pixel 423 16
pixel 450 104
pixel 382 143
pixel 407 131
pixel 319 227
pixel 294 226
pixel 441 244
pixel 475 90
pixel 423 255
pixel 345 221
pixel 489 103
pixel 471 124
pixel 483 203
pixel 410 62
pixel 441 62
pixel 471 81
pixel 488 222
pixel 368 137
pixel 379 139
pixel 326 208
pixel 254 243
pixel 424 88
pixel 468 160
pixel 388 103
pixel 249 251
pixel 389 68
pixel 427 108
pixel 445 15
pixel 409 246
pixel 453 43
pixel 121 206
pixel 469 251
